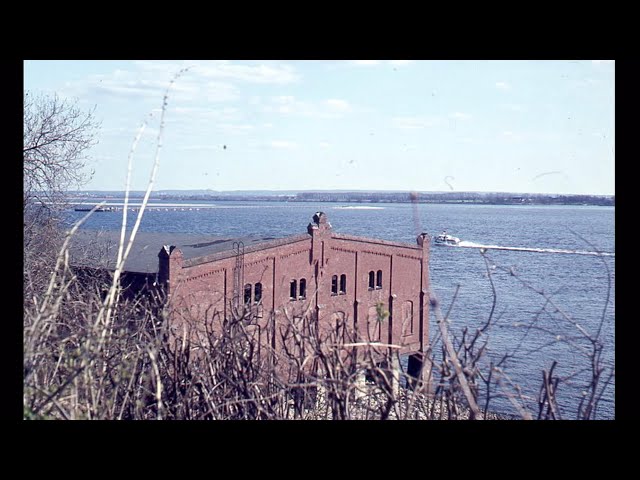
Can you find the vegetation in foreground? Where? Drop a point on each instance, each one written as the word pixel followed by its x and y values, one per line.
pixel 91 355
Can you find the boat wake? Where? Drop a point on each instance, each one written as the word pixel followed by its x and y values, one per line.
pixel 465 244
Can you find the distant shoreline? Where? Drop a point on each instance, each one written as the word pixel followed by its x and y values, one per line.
pixel 467 198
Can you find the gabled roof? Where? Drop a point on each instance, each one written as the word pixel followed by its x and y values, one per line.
pixel 99 248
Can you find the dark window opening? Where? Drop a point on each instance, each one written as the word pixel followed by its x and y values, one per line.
pixel 257 293
pixel 247 293
pixel 372 280
pixel 379 279
pixel 334 285
pixel 343 284
pixel 303 288
pixel 293 291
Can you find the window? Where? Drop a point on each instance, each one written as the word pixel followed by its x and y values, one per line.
pixel 247 293
pixel 334 285
pixel 379 279
pixel 407 318
pixel 293 291
pixel 343 284
pixel 257 293
pixel 303 288
pixel 372 280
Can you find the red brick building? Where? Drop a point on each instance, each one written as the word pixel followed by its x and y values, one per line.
pixel 335 277
pixel 377 288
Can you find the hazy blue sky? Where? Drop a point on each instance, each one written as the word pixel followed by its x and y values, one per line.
pixel 516 126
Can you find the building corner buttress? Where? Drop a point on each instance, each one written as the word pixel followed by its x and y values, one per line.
pixel 424 241
pixel 170 261
pixel 320 231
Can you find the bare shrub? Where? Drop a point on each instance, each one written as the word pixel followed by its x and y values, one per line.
pixel 140 365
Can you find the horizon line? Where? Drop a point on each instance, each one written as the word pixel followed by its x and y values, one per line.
pixel 295 191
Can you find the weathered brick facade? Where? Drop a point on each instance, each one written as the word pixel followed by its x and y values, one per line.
pixel 336 276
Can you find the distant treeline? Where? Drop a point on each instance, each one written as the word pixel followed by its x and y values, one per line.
pixel 483 198
pixel 458 197
pixel 405 197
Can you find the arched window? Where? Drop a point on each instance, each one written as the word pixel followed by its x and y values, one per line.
pixel 379 279
pixel 334 285
pixel 343 284
pixel 293 292
pixel 372 280
pixel 407 318
pixel 247 294
pixel 303 288
pixel 257 293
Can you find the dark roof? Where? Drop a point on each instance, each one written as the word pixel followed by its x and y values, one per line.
pixel 99 248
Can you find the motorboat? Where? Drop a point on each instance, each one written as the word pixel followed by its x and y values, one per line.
pixel 444 239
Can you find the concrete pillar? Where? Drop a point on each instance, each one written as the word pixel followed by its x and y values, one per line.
pixel 395 375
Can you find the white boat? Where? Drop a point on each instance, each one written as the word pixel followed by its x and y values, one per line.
pixel 444 239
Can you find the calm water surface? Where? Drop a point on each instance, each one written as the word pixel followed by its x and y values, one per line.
pixel 580 285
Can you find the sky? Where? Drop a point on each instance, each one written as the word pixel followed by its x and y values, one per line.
pixel 489 126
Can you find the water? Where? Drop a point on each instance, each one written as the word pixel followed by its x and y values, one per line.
pixel 553 249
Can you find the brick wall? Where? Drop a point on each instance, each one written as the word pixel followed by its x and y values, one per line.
pixel 202 290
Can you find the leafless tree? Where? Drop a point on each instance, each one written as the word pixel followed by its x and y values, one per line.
pixel 57 135
pixel 56 138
